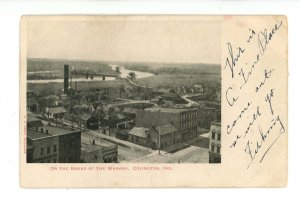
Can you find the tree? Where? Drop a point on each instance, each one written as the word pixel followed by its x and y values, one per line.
pixel 132 76
pixel 122 90
pixel 118 69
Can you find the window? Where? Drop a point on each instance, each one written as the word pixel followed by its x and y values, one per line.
pixel 213 133
pixel 219 136
pixel 42 151
pixel 218 149
pixel 54 148
pixel 212 148
pixel 48 150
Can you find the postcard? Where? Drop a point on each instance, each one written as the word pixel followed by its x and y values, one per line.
pixel 147 101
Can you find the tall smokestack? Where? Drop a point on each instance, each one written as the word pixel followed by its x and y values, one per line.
pixel 66 78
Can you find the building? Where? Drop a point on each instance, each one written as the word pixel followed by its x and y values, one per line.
pixel 215 143
pixel 157 137
pixel 99 152
pixel 42 147
pixel 33 122
pixel 184 120
pixel 49 144
pixel 55 112
pixel 119 120
pixel 83 121
pixel 140 136
pixel 206 115
pixel 163 136
pixel 96 153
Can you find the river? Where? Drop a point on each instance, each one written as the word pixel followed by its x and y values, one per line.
pixel 124 74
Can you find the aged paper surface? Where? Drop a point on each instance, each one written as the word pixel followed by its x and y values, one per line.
pixel 153 101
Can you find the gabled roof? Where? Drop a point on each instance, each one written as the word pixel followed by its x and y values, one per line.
pixel 118 116
pixel 139 131
pixel 165 129
pixel 85 117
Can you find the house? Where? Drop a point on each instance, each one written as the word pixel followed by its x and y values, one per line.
pixel 89 122
pixel 122 134
pixel 140 136
pixel 198 88
pixel 81 109
pixel 163 136
pixel 83 121
pixel 215 142
pixel 55 112
pixel 156 137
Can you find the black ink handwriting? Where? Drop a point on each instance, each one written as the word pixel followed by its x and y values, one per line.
pixel 230 127
pixel 254 118
pixel 233 59
pixel 267 75
pixel 232 100
pixel 252 33
pixel 264 38
pixel 268 99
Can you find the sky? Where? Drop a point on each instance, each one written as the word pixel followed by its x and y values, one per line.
pixel 173 40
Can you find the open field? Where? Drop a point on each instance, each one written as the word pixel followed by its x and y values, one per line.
pixel 179 80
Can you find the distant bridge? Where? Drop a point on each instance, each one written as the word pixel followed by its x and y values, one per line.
pixel 92 75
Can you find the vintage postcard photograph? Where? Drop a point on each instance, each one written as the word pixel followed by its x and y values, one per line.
pixel 153 101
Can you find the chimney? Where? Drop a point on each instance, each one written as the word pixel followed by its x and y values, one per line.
pixel 66 78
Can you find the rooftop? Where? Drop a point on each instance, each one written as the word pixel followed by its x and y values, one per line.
pixel 165 129
pixel 99 143
pixel 216 123
pixel 52 131
pixel 139 131
pixel 56 110
pixel 90 147
pixel 34 122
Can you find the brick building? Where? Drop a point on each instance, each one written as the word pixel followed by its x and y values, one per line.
pixel 206 115
pixel 49 144
pixel 184 120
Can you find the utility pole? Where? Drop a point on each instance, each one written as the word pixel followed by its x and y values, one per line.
pixel 159 145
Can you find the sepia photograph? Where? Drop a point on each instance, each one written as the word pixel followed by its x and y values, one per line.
pixel 123 90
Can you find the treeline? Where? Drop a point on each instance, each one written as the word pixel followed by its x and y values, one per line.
pixel 36 64
pixel 177 68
